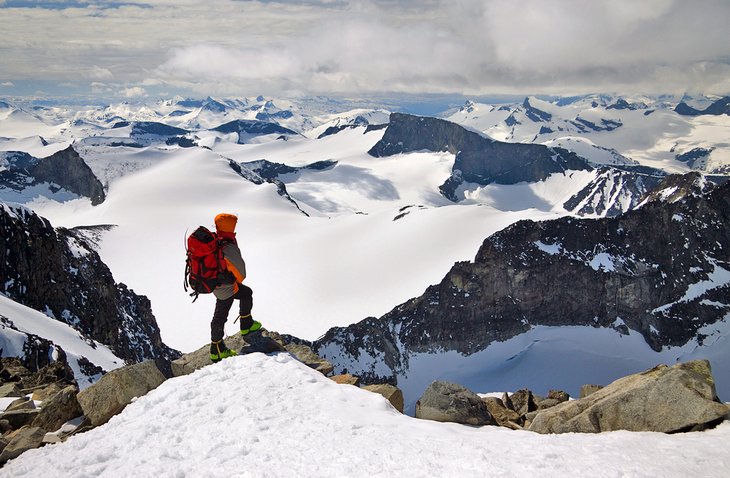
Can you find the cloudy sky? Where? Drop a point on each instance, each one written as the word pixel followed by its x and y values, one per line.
pixel 139 48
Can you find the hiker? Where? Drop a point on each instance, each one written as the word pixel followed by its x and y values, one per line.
pixel 229 290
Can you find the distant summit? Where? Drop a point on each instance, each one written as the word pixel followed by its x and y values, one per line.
pixel 719 107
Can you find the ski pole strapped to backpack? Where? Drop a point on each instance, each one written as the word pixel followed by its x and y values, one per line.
pixel 205 267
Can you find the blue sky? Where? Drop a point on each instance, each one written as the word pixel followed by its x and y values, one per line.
pixel 131 49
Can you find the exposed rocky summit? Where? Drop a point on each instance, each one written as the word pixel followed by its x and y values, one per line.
pixel 58 272
pixel 481 160
pixel 63 170
pixel 633 272
pixel 250 128
pixel 478 159
pixel 719 107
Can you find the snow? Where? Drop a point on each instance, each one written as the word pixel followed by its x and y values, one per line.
pixel 27 320
pixel 346 261
pixel 259 415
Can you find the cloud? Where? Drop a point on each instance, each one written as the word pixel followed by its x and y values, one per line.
pixel 134 92
pixel 347 46
pixel 7 83
pixel 98 73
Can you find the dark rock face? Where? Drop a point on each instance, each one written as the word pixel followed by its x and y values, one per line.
pixel 536 115
pixel 57 271
pixel 253 128
pixel 638 267
pixel 408 133
pixel 478 159
pixel 511 163
pixel 145 128
pixel 694 156
pixel 64 169
pixel 719 107
pixel 613 192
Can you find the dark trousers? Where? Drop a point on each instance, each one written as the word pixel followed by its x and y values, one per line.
pixel 223 307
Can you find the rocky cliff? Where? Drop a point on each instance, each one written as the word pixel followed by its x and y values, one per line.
pixel 660 270
pixel 481 160
pixel 64 170
pixel 56 271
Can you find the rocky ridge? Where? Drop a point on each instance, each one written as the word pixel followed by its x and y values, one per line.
pixel 64 170
pixel 58 272
pixel 481 160
pixel 618 280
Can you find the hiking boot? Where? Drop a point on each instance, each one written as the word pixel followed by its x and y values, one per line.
pixel 219 351
pixel 248 324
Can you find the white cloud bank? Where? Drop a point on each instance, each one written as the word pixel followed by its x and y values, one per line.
pixel 470 46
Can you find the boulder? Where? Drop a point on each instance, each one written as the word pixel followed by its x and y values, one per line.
pixel 346 379
pixel 19 418
pixel 43 393
pixel 69 428
pixel 23 403
pixel 9 390
pixel 662 399
pixel 392 393
pixel 558 395
pixel 116 389
pixel 449 402
pixel 254 342
pixel 523 402
pixel 586 390
pixel 503 415
pixel 24 439
pixel 58 409
pixel 304 354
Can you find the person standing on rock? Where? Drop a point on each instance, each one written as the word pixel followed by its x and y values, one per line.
pixel 225 294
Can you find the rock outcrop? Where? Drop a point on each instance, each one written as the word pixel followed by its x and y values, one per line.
pixel 478 159
pixel 57 271
pixel 635 272
pixel 663 399
pixel 62 170
pixel 719 107
pixel 450 402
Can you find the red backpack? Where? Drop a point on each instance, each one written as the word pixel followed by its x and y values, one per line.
pixel 205 267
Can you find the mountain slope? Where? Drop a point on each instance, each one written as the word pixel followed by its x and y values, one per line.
pixel 567 272
pixel 58 272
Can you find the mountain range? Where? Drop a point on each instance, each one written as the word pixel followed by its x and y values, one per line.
pixel 595 221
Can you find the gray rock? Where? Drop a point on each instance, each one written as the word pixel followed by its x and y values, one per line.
pixel 25 439
pixel 662 399
pixel 10 390
pixel 43 393
pixel 23 403
pixel 523 401
pixel 304 354
pixel 392 393
pixel 69 428
pixel 116 389
pixel 346 379
pixel 586 390
pixel 19 418
pixel 59 409
pixel 449 402
pixel 503 415
pixel 558 395
pixel 254 342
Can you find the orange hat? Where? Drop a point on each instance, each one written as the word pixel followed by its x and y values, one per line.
pixel 225 222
